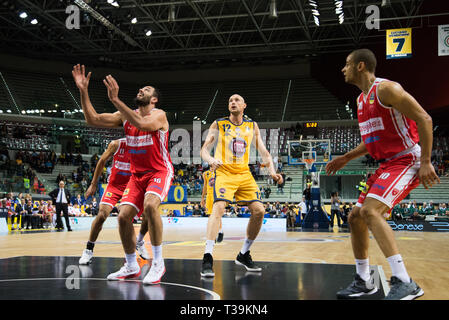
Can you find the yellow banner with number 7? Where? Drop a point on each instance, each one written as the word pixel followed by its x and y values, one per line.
pixel 399 43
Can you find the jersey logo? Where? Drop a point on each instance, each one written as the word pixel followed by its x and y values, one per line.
pixel 371 98
pixel 371 125
pixel 238 147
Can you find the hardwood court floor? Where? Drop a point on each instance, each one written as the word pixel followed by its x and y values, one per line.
pixel 425 253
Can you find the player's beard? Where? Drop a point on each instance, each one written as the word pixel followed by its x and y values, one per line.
pixel 141 102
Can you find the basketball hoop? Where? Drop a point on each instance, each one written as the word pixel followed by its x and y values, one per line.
pixel 309 163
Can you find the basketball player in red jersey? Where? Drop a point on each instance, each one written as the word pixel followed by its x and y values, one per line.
pixel 146 131
pixel 117 181
pixel 391 124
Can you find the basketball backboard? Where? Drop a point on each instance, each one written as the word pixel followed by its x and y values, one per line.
pixel 317 149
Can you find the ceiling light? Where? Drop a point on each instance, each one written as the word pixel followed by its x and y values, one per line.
pixel 315 11
pixel 23 15
pixel 339 10
pixel 113 3
pixel 273 9
pixel 34 21
pixel 148 33
pixel 134 20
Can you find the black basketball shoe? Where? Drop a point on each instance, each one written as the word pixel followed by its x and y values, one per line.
pixel 206 268
pixel 246 261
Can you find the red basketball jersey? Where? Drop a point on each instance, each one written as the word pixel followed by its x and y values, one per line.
pixel 120 172
pixel 384 130
pixel 148 150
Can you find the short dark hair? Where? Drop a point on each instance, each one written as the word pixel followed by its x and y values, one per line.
pixel 367 56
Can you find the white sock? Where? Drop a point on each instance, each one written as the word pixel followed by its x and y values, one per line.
pixel 157 252
pixel 246 245
pixel 362 268
pixel 398 268
pixel 131 259
pixel 140 237
pixel 221 230
pixel 209 246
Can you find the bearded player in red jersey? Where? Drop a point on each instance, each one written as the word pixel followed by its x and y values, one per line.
pixel 391 124
pixel 146 131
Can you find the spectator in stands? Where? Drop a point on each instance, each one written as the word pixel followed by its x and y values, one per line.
pixel 417 216
pixel 396 212
pixel 197 210
pixel 88 209
pixel 345 211
pixel 280 164
pixel 49 211
pixel 281 186
pixel 188 208
pixel 26 218
pixel 197 186
pixel 267 191
pixel 307 196
pixel 14 214
pixel 303 208
pixel 291 216
pixel 41 187
pixel 335 209
pixel 3 210
pixel 94 206
pixel 442 210
pixel 78 200
pixel 93 160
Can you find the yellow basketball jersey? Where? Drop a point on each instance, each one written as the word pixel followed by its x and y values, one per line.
pixel 209 179
pixel 233 145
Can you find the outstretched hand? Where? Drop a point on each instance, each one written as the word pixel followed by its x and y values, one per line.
pixel 79 75
pixel 90 191
pixel 427 175
pixel 112 87
pixel 333 166
pixel 278 178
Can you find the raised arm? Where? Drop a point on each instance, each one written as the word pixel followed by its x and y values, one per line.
pixel 393 95
pixel 110 151
pixel 157 120
pixel 267 160
pixel 108 120
pixel 211 139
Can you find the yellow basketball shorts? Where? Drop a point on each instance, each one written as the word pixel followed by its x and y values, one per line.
pixel 209 203
pixel 240 186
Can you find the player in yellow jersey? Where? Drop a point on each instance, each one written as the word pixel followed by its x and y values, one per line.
pixel 207 198
pixel 233 137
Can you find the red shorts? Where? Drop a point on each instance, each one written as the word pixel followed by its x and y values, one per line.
pixel 394 179
pixel 112 195
pixel 139 185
